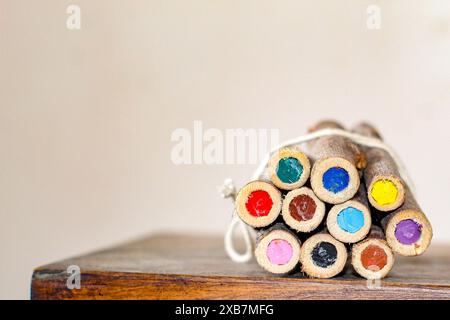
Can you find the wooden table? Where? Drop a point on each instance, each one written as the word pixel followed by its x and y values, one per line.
pixel 196 267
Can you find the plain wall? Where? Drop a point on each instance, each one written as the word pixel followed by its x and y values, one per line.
pixel 86 116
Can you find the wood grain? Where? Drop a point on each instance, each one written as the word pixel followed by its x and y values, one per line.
pixel 380 166
pixel 408 210
pixel 375 238
pixel 196 267
pixel 334 151
pixel 335 146
pixel 263 239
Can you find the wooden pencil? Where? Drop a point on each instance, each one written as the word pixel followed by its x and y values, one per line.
pixel 289 168
pixel 258 203
pixel 372 258
pixel 334 175
pixel 385 188
pixel 408 231
pixel 322 256
pixel 350 222
pixel 277 249
pixel 302 210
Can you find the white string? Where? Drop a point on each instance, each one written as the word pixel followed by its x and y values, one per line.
pixel 229 245
pixel 228 185
pixel 228 190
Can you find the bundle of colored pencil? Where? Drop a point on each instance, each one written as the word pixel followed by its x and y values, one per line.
pixel 330 200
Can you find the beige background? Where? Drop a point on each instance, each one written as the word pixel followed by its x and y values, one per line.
pixel 86 116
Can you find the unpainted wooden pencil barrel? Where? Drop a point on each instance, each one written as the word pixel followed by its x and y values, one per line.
pixel 408 231
pixel 350 222
pixel 385 187
pixel 289 168
pixel 302 210
pixel 277 249
pixel 372 258
pixel 334 175
pixel 322 256
pixel 258 203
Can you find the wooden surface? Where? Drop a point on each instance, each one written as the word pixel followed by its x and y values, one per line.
pixel 196 267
